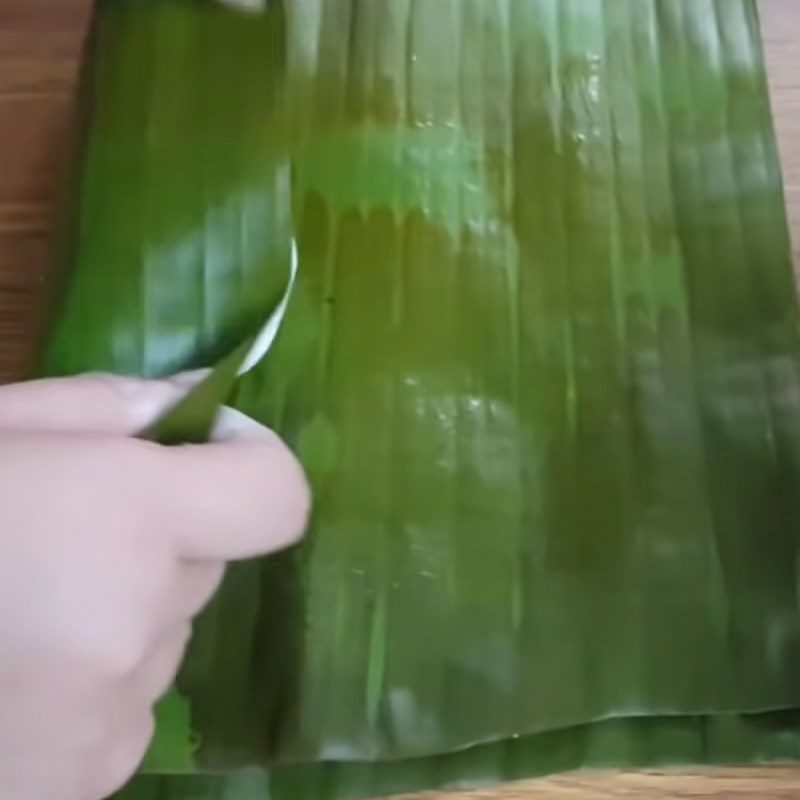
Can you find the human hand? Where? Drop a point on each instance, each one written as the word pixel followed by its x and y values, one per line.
pixel 109 546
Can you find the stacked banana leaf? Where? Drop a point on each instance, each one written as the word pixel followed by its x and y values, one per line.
pixel 541 365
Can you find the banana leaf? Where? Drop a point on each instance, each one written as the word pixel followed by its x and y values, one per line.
pixel 541 365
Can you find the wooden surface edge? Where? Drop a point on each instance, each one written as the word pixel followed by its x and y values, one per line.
pixel 780 782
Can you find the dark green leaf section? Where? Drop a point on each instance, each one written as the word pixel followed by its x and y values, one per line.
pixel 541 365
pixel 192 419
pixel 640 742
pixel 184 224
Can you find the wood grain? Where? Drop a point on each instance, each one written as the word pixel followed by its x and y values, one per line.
pixel 770 783
pixel 40 48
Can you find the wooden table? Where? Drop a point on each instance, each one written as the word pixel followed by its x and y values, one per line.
pixel 39 53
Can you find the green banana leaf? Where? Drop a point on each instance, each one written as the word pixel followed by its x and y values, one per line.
pixel 541 366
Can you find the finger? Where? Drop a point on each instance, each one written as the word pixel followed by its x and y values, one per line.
pixel 231 425
pixel 155 674
pixel 229 500
pixel 94 403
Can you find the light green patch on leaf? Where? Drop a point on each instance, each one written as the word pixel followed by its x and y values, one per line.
pixel 438 170
pixel 175 743
pixel 318 446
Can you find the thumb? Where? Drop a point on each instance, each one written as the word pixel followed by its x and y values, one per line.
pixel 242 495
pixel 90 403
